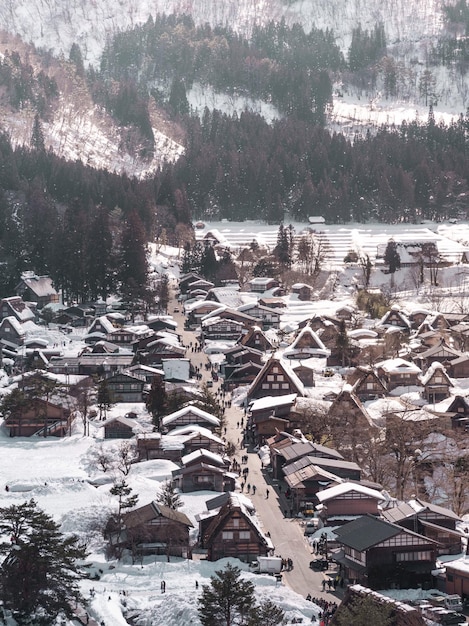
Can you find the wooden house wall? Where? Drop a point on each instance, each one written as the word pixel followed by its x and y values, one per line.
pixel 457 581
pixel 352 506
pixel 202 480
pixel 116 430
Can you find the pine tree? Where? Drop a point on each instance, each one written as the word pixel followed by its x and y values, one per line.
pixel 162 293
pixel 157 401
pixel 104 398
pixel 126 500
pixel 39 575
pixel 342 342
pixel 391 257
pixel 133 273
pixel 37 135
pixel 168 496
pixel 228 600
pixel 267 614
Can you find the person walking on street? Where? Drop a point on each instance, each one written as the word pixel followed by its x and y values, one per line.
pixel 254 489
pixel 267 494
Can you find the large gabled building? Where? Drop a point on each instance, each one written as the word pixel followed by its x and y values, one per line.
pixel 382 555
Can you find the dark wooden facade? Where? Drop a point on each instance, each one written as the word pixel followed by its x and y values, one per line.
pixel 234 532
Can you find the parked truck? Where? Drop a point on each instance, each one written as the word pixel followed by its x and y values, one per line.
pixel 267 565
pixel 452 601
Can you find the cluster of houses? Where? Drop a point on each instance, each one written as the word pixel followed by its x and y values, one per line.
pixel 229 527
pixel 380 541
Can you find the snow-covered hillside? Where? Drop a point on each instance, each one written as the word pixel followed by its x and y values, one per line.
pixel 56 24
pixel 83 134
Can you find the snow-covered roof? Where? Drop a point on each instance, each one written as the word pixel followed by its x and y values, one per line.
pixel 202 453
pixel 343 488
pixel 434 367
pixel 268 402
pixel 394 366
pixel 199 413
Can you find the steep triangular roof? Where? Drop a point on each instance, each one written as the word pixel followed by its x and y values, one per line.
pixel 307 342
pixel 295 383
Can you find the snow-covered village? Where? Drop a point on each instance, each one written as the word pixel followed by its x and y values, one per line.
pixel 234 312
pixel 253 421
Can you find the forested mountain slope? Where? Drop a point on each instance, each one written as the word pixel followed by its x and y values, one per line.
pixel 56 24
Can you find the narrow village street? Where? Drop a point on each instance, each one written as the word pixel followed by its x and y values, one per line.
pixel 274 509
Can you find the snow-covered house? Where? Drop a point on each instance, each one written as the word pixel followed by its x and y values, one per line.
pixel 12 331
pixel 276 378
pixel 366 384
pixel 38 289
pixel 348 416
pixel 269 316
pixel 153 529
pixel 256 338
pixel 190 415
pixel 235 531
pixel 396 318
pixel 380 554
pixel 436 383
pixel 440 352
pixel 343 502
pixel 126 387
pixel 431 520
pixel 303 291
pixel 120 427
pixel 306 345
pixel 399 373
pixel 204 470
pixel 221 328
pixel 261 284
pixel 17 308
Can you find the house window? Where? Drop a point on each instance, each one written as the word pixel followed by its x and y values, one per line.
pixel 245 534
pixel 285 386
pixel 280 377
pixel 449 578
pixel 265 386
pixel 270 378
pixel 227 534
pixel 369 385
pixel 275 370
pixel 204 479
pixel 236 522
pixel 421 555
pixel 275 386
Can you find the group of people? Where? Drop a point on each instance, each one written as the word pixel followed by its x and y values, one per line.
pixel 287 564
pixel 328 609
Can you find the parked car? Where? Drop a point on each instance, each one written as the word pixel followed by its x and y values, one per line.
pixel 311 526
pixel 319 564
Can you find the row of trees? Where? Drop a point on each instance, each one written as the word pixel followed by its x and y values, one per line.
pixel 284 65
pixel 239 167
pixel 88 229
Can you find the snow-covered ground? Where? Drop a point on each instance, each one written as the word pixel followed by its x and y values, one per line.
pixel 62 476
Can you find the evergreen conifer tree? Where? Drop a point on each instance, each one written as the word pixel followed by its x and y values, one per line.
pixel 39 574
pixel 168 496
pixel 228 600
